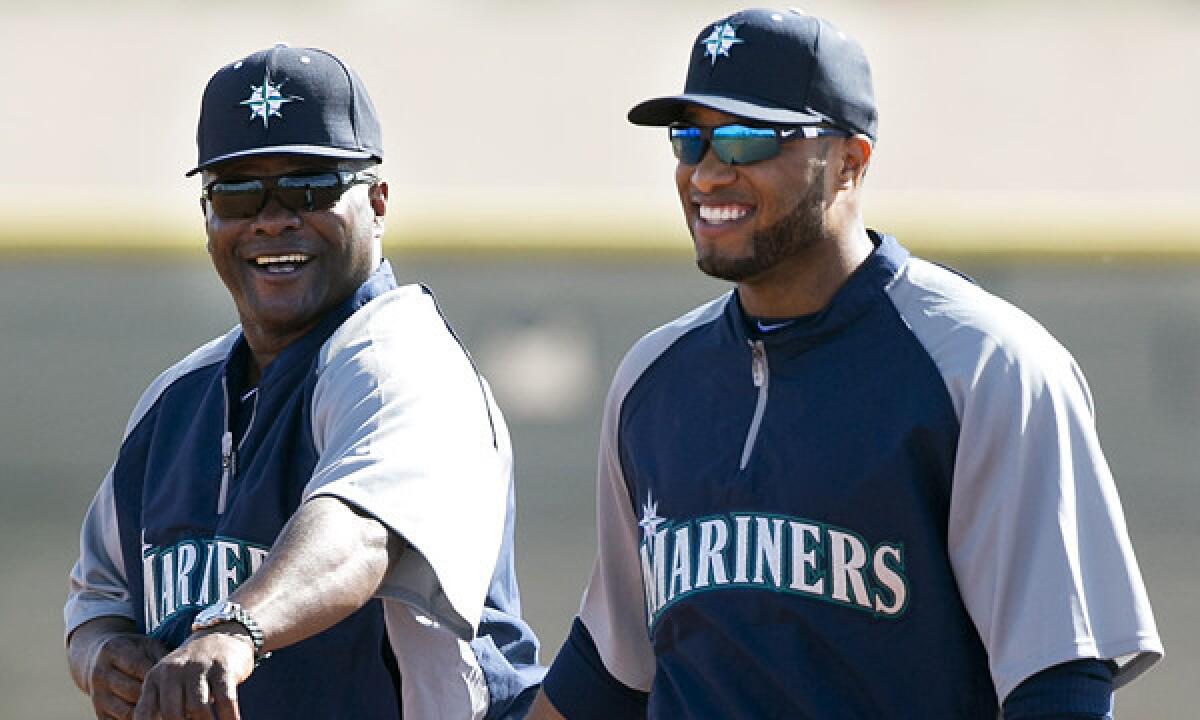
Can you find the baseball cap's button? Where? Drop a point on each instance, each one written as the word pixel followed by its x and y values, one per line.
pixel 281 44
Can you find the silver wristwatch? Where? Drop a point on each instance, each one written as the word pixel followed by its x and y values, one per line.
pixel 226 611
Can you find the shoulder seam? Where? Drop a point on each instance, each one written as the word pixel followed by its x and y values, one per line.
pixel 630 371
pixel 204 356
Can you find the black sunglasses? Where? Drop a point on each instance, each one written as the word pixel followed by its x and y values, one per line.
pixel 737 144
pixel 246 197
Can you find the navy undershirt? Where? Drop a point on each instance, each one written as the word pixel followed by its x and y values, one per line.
pixel 766 326
pixel 1076 690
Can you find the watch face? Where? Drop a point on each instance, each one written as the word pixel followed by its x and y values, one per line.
pixel 212 615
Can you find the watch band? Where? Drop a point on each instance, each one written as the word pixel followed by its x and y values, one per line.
pixel 247 621
pixel 232 612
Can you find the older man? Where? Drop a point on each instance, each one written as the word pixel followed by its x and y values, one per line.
pixel 310 516
pixel 856 486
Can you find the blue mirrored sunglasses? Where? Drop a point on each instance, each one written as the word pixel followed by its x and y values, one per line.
pixel 736 144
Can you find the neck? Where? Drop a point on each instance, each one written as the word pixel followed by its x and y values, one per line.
pixel 805 283
pixel 265 347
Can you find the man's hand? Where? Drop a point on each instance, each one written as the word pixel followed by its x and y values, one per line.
pixel 200 678
pixel 109 661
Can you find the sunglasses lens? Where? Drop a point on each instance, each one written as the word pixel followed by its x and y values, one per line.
pixel 236 199
pixel 733 144
pixel 742 145
pixel 309 192
pixel 688 144
pixel 239 199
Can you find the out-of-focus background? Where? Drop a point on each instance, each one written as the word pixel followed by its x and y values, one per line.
pixel 1047 149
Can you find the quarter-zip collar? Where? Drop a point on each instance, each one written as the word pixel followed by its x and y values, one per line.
pixel 863 290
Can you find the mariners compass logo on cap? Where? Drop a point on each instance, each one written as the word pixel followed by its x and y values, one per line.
pixel 267 99
pixel 723 37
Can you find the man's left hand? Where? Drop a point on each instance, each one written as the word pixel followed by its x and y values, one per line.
pixel 200 678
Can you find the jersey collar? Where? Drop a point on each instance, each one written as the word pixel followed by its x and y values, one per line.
pixel 295 356
pixel 863 290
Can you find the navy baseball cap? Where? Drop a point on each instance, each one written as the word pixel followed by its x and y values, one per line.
pixel 774 66
pixel 285 100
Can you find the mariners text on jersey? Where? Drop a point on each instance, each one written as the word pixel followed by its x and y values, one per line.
pixel 769 552
pixel 193 574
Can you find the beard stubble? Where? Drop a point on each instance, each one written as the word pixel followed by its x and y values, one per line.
pixel 793 234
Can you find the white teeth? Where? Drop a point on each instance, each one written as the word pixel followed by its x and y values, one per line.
pixel 717 214
pixel 266 260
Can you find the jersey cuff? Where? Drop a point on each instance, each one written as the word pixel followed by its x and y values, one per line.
pixel 80 610
pixel 1077 690
pixel 581 688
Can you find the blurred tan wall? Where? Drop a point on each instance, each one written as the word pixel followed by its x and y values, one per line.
pixel 505 120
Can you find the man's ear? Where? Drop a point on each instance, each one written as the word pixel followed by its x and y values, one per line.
pixel 856 156
pixel 378 196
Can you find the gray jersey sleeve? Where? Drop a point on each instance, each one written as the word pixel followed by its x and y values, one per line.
pixel 406 431
pixel 1037 536
pixel 98 585
pixel 614 604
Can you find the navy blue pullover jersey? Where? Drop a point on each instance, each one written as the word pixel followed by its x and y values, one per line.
pixel 379 406
pixel 894 508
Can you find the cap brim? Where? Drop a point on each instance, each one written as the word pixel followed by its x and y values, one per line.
pixel 666 110
pixel 309 150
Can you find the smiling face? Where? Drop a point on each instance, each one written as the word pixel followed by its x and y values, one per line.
pixel 286 268
pixel 749 220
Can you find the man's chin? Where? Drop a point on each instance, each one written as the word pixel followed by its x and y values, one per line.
pixel 280 318
pixel 735 269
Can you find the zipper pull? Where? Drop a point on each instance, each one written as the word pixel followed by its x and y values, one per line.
pixel 758 364
pixel 226 470
pixel 226 454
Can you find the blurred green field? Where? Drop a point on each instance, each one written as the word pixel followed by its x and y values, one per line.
pixel 81 337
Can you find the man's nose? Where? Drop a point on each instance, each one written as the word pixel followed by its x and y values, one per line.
pixel 274 218
pixel 710 173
